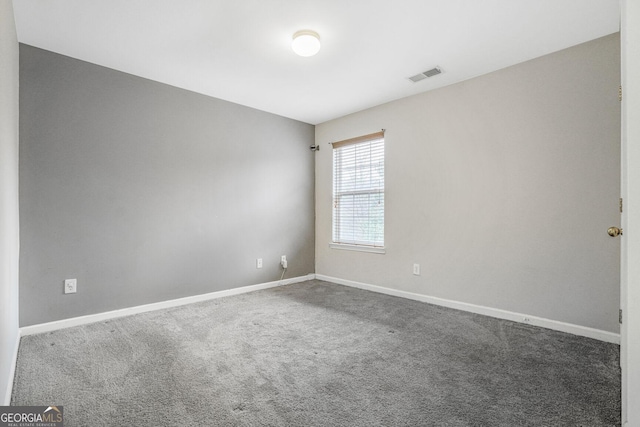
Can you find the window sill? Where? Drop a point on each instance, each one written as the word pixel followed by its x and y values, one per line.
pixel 358 248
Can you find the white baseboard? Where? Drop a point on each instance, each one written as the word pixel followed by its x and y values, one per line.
pixel 583 331
pixel 98 317
pixel 487 311
pixel 12 372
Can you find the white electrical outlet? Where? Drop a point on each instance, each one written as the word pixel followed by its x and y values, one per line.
pixel 416 269
pixel 259 263
pixel 70 286
pixel 283 261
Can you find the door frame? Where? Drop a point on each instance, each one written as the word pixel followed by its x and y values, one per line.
pixel 630 187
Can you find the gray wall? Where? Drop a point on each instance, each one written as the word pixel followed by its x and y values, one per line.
pixel 9 235
pixel 145 192
pixel 501 187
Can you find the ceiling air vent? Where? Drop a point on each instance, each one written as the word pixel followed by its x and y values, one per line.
pixel 429 73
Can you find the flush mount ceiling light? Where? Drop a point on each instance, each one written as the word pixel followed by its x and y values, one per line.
pixel 306 43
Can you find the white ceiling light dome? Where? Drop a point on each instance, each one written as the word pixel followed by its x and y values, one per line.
pixel 306 43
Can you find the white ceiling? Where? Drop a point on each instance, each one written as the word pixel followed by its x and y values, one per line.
pixel 239 50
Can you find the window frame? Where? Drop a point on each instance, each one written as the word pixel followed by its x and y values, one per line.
pixel 375 143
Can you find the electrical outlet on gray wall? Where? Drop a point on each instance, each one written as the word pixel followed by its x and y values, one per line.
pixel 70 286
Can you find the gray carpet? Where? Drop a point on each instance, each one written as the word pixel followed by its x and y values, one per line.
pixel 318 354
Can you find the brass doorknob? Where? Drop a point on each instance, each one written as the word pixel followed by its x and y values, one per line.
pixel 614 231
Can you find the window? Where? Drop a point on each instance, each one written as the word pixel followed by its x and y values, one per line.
pixel 358 193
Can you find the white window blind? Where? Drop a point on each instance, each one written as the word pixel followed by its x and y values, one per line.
pixel 358 191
